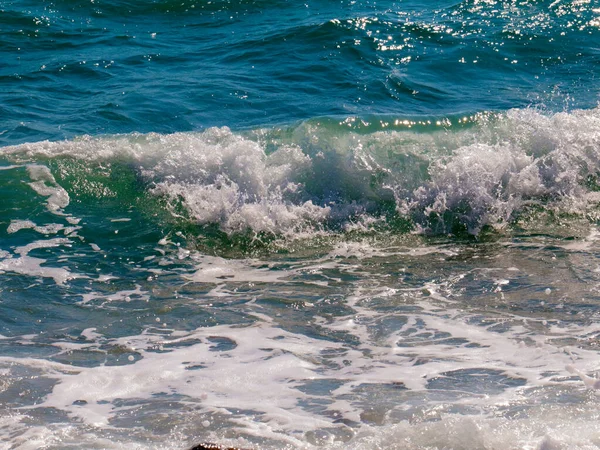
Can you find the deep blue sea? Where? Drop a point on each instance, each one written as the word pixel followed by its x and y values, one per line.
pixel 300 225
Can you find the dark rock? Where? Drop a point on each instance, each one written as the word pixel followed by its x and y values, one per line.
pixel 209 446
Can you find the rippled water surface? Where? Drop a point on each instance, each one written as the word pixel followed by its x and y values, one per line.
pixel 71 68
pixel 273 224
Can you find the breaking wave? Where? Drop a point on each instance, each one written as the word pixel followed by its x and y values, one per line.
pixel 450 175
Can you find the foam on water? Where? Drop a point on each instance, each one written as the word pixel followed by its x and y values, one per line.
pixel 302 390
pixel 372 251
pixel 216 270
pixel 43 183
pixel 397 365
pixel 345 333
pixel 529 159
pixel 31 266
pixel 312 177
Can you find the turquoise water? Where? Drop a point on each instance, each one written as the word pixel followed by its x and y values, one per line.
pixel 272 224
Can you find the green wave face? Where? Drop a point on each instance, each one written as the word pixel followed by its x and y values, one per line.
pixel 457 175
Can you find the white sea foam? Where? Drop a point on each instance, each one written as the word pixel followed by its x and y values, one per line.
pixel 365 343
pixel 425 371
pixel 121 296
pixel 216 270
pixel 44 183
pixel 527 156
pixel 51 228
pixel 16 225
pixel 32 266
pixel 270 371
pixel 485 175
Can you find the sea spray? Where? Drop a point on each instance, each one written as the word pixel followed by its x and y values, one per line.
pixel 316 177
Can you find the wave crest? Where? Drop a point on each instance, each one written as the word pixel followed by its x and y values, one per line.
pixel 323 175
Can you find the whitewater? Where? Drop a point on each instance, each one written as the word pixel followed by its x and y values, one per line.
pixel 276 225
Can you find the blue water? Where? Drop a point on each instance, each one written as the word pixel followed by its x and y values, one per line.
pixel 272 224
pixel 108 67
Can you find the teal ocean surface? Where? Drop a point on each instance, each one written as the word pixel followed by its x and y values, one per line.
pixel 300 225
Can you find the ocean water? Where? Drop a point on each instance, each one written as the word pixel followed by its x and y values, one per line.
pixel 299 225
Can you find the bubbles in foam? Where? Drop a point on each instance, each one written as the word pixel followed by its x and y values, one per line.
pixel 217 270
pixel 373 361
pixel 316 176
pixel 524 158
pixel 32 266
pixel 360 342
pixel 44 184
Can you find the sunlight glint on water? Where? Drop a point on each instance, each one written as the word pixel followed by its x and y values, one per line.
pixel 273 224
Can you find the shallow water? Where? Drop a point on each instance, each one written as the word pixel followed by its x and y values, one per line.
pixel 299 225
